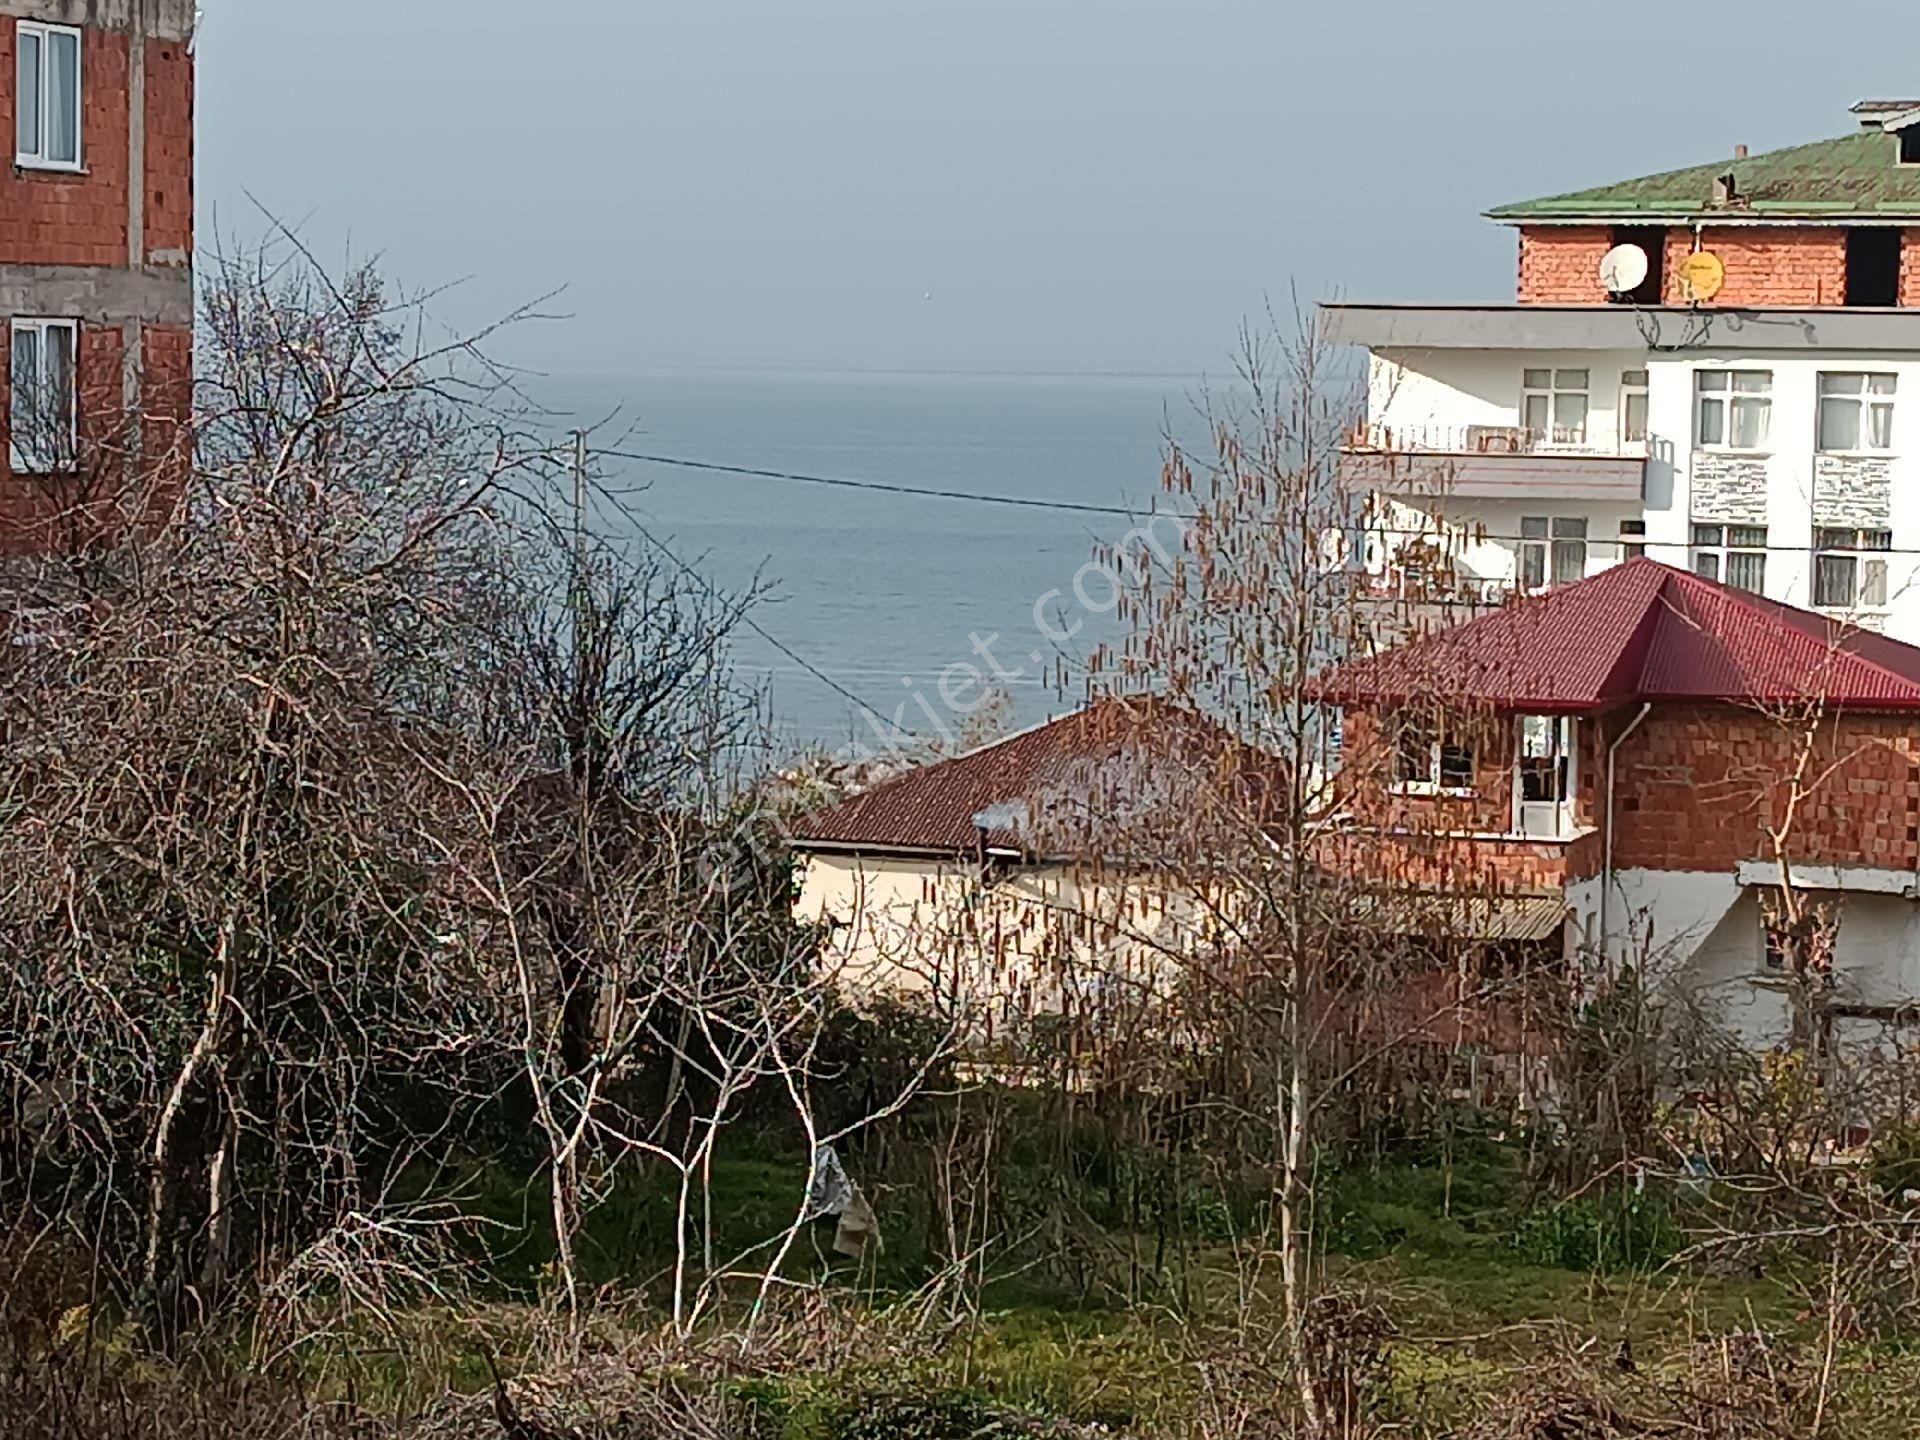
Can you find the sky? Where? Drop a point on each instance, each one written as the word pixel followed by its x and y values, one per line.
pixel 1061 186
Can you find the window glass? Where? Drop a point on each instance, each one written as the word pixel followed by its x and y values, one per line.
pixel 63 97
pixel 27 96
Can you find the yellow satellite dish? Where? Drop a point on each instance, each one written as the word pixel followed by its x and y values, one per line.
pixel 1702 275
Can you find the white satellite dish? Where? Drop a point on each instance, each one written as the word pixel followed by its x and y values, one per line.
pixel 1623 269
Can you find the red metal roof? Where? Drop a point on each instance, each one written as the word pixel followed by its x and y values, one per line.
pixel 1111 747
pixel 1639 631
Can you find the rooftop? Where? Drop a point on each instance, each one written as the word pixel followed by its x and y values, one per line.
pixel 1121 751
pixel 1857 176
pixel 1641 631
pixel 1652 328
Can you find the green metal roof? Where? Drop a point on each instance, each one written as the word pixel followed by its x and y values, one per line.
pixel 1855 175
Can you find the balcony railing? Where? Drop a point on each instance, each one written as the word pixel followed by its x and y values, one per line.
pixel 1496 462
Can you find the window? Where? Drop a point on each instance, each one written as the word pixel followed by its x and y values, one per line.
pixel 1856 412
pixel 1553 405
pixel 1873 265
pixel 1553 550
pixel 1543 777
pixel 1652 240
pixel 1545 752
pixel 47 117
pixel 1773 954
pixel 1427 761
pixel 1733 554
pixel 1633 539
pixel 1633 407
pixel 41 409
pixel 1847 575
pixel 1734 409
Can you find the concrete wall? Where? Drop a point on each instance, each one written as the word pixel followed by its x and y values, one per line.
pixel 1702 937
pixel 161 19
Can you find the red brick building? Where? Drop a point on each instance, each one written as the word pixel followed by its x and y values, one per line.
pixel 96 250
pixel 1832 223
pixel 1661 752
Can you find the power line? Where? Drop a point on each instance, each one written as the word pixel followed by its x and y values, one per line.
pixel 1085 508
pixel 807 665
pixel 841 482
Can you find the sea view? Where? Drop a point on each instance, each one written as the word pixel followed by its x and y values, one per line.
pixel 881 593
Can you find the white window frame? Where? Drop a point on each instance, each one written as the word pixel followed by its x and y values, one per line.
pixel 1433 781
pixel 1550 537
pixel 1725 399
pixel 1716 546
pixel 1551 386
pixel 1633 386
pixel 40 160
pixel 1553 818
pixel 1866 554
pixel 18 460
pixel 1866 400
pixel 1633 540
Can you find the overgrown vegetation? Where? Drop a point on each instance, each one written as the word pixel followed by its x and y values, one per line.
pixel 406 1030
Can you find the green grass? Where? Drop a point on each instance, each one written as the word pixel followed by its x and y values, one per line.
pixel 1485 1284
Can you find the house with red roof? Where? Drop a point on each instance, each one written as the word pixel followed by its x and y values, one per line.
pixel 1660 753
pixel 1008 878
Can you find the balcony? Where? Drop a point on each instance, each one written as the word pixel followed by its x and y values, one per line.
pixel 1494 462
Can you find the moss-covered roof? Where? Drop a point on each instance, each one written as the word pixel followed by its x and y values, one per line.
pixel 1855 175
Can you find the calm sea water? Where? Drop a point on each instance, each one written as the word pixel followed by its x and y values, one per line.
pixel 883 593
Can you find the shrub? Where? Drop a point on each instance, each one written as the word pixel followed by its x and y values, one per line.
pixel 1605 1233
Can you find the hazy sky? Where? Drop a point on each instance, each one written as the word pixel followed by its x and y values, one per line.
pixel 1058 185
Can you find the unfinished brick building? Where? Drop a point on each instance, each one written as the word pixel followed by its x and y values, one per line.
pixel 96 250
pixel 1657 753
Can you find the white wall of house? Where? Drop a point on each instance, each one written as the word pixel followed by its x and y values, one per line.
pixel 1415 392
pixel 1680 491
pixel 1701 933
pixel 1480 535
pixel 920 926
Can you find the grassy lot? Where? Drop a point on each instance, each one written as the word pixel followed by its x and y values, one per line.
pixel 1477 1293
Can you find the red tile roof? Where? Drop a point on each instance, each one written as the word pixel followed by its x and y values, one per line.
pixel 941 807
pixel 1639 631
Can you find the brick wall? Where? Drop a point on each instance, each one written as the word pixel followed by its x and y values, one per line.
pixel 40 512
pixel 1766 265
pixel 166 381
pixel 170 94
pixel 50 218
pixel 1910 268
pixel 1560 264
pixel 1697 784
pixel 1451 841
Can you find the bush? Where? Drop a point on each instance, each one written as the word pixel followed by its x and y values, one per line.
pixel 1607 1233
pixel 1894 1165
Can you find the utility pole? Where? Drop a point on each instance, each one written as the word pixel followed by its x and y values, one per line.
pixel 582 606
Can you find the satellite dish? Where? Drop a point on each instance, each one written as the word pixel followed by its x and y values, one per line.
pixel 1702 276
pixel 1624 269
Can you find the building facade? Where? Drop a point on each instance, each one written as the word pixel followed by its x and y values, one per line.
pixel 1665 757
pixel 1745 410
pixel 96 250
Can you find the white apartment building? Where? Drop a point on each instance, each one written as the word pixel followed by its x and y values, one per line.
pixel 1750 410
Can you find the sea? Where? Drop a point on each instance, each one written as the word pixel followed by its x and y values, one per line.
pixel 875 601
